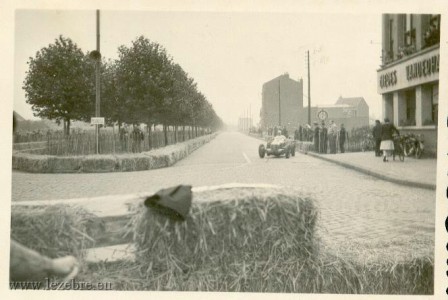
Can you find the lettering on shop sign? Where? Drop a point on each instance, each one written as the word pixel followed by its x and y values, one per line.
pixel 423 68
pixel 388 79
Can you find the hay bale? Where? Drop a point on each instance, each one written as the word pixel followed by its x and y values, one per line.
pixel 248 240
pixel 64 164
pixel 30 163
pixel 157 161
pixel 99 163
pixel 55 230
pixel 133 162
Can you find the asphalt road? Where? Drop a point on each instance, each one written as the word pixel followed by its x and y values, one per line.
pixel 355 208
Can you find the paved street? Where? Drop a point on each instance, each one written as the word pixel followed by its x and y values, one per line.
pixel 356 209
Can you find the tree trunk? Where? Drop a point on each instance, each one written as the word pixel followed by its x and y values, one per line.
pixel 175 134
pixel 149 136
pixel 183 133
pixel 67 127
pixel 165 135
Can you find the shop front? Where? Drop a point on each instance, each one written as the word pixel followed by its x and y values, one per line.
pixel 410 94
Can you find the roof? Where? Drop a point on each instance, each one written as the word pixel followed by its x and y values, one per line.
pixel 355 101
pixel 283 76
pixel 332 106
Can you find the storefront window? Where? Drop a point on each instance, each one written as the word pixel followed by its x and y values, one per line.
pixel 409 34
pixel 435 103
pixel 410 109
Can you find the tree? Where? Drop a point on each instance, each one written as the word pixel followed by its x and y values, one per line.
pixel 143 73
pixel 59 84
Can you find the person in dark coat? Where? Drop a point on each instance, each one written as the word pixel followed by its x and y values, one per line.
pixel 376 132
pixel 342 135
pixel 387 143
pixel 323 138
pixel 316 137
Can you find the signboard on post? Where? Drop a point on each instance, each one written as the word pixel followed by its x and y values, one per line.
pixel 97 121
pixel 322 115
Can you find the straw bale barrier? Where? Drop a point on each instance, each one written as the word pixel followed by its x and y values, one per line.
pixel 55 230
pixel 158 158
pixel 239 241
pixel 253 240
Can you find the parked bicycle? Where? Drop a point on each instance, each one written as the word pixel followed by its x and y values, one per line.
pixel 399 141
pixel 414 145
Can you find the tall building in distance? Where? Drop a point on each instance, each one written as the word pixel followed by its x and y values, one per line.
pixel 408 79
pixel 282 100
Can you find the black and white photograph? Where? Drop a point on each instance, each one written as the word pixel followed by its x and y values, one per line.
pixel 237 149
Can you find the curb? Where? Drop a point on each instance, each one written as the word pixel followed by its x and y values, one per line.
pixel 427 186
pixel 155 159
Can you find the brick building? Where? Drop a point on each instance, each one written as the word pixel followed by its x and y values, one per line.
pixel 282 100
pixel 352 112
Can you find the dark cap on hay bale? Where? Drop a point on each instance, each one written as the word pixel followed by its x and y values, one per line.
pixel 174 202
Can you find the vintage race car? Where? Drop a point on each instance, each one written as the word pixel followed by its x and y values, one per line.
pixel 278 146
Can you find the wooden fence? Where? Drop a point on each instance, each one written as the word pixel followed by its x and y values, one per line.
pixel 84 143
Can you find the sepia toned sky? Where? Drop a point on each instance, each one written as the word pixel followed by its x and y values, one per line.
pixel 229 54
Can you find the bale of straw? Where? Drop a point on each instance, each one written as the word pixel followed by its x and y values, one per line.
pixel 64 164
pixel 55 230
pixel 234 242
pixel 30 163
pixel 157 161
pixel 99 163
pixel 133 162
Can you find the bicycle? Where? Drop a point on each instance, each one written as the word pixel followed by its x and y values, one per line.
pixel 399 142
pixel 414 145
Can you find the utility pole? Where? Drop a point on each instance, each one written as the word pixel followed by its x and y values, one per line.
pixel 97 77
pixel 279 106
pixel 309 90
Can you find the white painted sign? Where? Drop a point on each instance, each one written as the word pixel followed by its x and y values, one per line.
pixel 322 115
pixel 409 72
pixel 97 121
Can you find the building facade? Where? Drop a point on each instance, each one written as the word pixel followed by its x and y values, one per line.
pixel 282 100
pixel 352 112
pixel 408 79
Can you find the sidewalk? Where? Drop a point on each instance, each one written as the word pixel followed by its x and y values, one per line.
pixel 421 173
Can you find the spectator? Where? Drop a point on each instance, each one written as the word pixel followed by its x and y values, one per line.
pixel 332 135
pixel 137 138
pixel 387 144
pixel 323 138
pixel 124 135
pixel 316 138
pixel 376 132
pixel 284 132
pixel 300 137
pixel 342 135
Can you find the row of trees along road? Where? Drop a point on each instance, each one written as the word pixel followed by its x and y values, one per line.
pixel 143 85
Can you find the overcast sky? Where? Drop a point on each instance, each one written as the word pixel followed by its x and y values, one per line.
pixel 229 54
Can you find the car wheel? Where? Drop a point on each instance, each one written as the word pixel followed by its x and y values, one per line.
pixel 261 151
